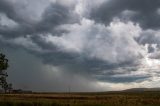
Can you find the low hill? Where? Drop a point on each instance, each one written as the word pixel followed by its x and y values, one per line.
pixel 142 89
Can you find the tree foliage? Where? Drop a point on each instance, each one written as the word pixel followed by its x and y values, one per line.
pixel 3 74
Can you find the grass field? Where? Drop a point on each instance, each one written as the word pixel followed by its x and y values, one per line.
pixel 82 99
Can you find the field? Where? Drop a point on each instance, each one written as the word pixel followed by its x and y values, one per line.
pixel 82 99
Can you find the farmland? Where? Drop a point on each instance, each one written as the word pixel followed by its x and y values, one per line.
pixel 145 98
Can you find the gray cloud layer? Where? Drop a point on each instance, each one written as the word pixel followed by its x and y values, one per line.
pixel 141 11
pixel 111 42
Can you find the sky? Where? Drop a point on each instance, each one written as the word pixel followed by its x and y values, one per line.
pixel 81 45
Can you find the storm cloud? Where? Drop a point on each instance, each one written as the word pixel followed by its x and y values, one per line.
pixel 97 45
pixel 144 12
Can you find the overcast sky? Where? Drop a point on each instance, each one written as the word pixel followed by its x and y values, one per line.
pixel 84 45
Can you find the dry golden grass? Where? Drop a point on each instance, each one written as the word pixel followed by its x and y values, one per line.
pixel 82 99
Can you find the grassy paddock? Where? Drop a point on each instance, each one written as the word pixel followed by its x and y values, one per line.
pixel 82 99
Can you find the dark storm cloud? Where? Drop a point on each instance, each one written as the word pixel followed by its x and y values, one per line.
pixel 124 79
pixel 27 72
pixel 151 39
pixel 54 15
pixel 44 45
pixel 7 8
pixel 145 12
pixel 102 53
pixel 24 26
pixel 148 38
pixel 77 64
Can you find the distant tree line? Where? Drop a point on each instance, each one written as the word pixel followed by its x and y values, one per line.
pixel 3 74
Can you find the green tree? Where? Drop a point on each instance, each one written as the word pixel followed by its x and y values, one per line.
pixel 3 74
